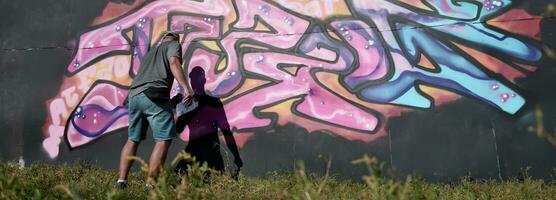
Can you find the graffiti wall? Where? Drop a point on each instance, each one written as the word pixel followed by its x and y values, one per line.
pixel 433 87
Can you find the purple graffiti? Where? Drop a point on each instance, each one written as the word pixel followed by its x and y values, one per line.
pixel 347 73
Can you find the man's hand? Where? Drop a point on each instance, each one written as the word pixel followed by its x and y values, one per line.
pixel 187 101
pixel 174 101
pixel 177 71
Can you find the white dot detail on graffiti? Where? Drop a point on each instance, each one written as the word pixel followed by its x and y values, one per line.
pixel 265 9
pixel 260 59
pixel 494 87
pixel 288 20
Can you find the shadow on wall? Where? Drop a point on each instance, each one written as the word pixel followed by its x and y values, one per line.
pixel 204 123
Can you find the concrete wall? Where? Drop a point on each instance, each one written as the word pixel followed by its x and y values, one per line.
pixel 430 87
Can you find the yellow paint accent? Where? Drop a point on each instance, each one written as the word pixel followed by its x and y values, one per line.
pixel 244 45
pixel 222 64
pixel 247 85
pixel 333 34
pixel 261 27
pixel 159 26
pixel 317 8
pixel 283 109
pixel 211 44
pixel 228 19
pixel 549 52
pixel 432 91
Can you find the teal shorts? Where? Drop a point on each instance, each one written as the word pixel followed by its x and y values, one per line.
pixel 144 112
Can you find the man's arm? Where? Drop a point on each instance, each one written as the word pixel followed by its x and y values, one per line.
pixel 179 75
pixel 177 71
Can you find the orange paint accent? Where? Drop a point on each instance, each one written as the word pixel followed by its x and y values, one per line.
pixel 518 21
pixel 129 35
pixel 114 10
pixel 530 68
pixel 440 96
pixel 425 62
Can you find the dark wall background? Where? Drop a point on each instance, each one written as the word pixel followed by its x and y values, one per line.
pixel 457 139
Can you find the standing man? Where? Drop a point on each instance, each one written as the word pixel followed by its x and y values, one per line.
pixel 149 105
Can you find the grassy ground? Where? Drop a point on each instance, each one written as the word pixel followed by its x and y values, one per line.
pixel 80 181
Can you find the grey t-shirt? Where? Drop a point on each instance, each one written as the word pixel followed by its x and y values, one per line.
pixel 155 76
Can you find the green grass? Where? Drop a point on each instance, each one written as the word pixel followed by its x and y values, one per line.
pixel 82 181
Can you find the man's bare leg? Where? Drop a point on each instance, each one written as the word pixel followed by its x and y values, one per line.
pixel 158 156
pixel 130 149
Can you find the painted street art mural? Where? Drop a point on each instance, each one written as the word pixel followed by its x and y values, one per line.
pixel 342 66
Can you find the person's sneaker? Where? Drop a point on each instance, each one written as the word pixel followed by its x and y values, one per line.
pixel 121 185
pixel 149 186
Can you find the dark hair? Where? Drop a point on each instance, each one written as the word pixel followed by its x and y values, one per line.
pixel 174 36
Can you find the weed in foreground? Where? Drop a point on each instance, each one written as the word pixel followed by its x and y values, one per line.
pixel 84 181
